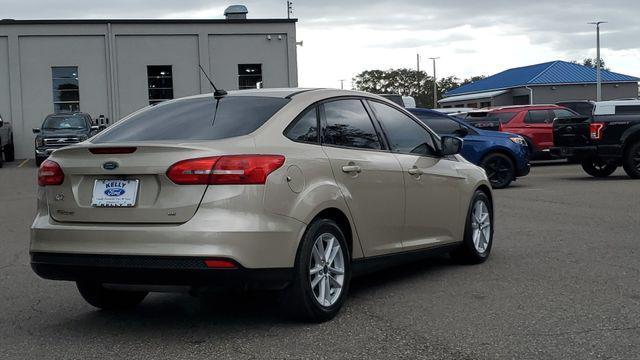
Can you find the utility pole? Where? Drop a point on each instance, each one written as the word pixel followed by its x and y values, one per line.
pixel 418 62
pixel 598 61
pixel 289 9
pixel 435 83
pixel 341 84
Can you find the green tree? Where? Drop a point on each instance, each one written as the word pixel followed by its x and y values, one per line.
pixel 591 62
pixel 407 82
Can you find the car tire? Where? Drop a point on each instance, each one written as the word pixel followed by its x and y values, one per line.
pixel 598 167
pixel 499 168
pixel 631 161
pixel 478 232
pixel 109 299
pixel 9 151
pixel 316 277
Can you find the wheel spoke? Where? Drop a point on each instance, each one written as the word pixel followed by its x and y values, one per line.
pixel 329 249
pixel 321 295
pixel 315 270
pixel 317 255
pixel 327 291
pixel 315 281
pixel 334 282
pixel 333 254
pixel 336 271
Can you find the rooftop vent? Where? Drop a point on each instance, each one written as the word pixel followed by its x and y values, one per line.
pixel 235 12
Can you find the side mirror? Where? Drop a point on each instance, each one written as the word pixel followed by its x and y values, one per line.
pixel 36 131
pixel 461 132
pixel 451 145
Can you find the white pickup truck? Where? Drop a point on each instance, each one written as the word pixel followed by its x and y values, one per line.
pixel 6 141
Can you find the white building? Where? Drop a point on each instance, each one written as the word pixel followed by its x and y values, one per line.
pixel 114 67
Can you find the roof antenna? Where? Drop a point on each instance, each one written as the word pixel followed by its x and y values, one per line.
pixel 217 93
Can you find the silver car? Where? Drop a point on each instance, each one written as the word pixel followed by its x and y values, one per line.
pixel 290 189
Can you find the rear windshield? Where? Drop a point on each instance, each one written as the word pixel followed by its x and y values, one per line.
pixel 503 117
pixel 192 119
pixel 64 122
pixel 582 108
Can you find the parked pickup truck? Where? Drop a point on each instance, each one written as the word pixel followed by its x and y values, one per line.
pixel 603 141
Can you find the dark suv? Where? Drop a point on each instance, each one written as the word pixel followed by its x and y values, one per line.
pixel 60 130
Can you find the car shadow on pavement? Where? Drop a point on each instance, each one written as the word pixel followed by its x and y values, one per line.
pixel 591 178
pixel 222 311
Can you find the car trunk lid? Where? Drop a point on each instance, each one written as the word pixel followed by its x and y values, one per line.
pixel 158 199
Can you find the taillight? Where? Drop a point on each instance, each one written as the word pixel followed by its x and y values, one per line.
pixel 50 173
pixel 220 264
pixel 225 170
pixel 595 130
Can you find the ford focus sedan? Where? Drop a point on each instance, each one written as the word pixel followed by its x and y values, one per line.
pixel 295 190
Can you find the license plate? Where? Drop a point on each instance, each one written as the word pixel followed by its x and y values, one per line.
pixel 114 193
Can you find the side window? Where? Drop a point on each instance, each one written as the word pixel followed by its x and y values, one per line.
pixel 562 113
pixel 537 117
pixel 442 125
pixel 627 109
pixel 305 129
pixel 348 124
pixel 405 135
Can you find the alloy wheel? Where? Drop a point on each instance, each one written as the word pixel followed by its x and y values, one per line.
pixel 498 170
pixel 326 269
pixel 481 226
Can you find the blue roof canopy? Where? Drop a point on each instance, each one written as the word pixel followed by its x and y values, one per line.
pixel 553 72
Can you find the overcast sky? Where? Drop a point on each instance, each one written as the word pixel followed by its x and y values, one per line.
pixel 342 38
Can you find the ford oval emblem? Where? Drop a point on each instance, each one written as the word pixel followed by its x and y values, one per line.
pixel 110 165
pixel 114 192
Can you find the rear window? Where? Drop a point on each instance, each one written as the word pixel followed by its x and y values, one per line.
pixel 192 119
pixel 503 117
pixel 627 109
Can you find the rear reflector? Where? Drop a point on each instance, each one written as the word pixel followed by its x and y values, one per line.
pixel 220 264
pixel 225 170
pixel 50 173
pixel 595 130
pixel 112 150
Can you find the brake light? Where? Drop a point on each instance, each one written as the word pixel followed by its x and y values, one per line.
pixel 112 150
pixel 225 170
pixel 220 264
pixel 50 173
pixel 595 130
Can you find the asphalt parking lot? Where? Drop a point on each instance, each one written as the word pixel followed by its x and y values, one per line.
pixel 562 282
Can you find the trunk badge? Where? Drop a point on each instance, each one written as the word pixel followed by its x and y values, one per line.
pixel 110 165
pixel 59 197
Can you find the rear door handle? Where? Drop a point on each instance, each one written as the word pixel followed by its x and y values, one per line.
pixel 351 169
pixel 415 171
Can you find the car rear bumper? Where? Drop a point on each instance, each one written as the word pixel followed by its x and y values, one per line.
pixel 155 270
pixel 585 152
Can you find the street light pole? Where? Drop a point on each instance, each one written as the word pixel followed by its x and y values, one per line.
pixel 598 61
pixel 435 83
pixel 418 62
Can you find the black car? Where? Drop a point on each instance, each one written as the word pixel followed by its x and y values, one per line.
pixel 603 141
pixel 60 130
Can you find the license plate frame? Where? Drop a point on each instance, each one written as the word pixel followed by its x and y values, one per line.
pixel 115 193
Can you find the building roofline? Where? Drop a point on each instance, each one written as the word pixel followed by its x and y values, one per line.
pixel 144 21
pixel 538 85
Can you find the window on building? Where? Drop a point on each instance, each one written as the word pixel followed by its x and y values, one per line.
pixel 249 76
pixel 160 80
pixel 66 93
pixel 485 104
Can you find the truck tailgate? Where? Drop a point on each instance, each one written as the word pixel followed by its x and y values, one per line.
pixel 571 132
